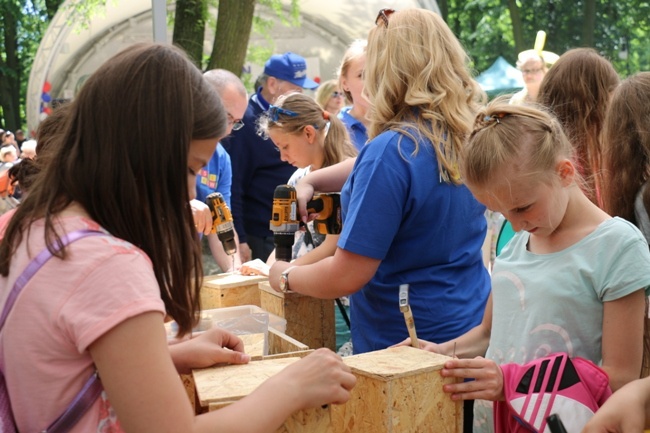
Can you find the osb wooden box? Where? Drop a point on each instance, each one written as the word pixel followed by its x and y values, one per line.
pixel 280 345
pixel 230 290
pixel 309 320
pixel 219 387
pixel 398 390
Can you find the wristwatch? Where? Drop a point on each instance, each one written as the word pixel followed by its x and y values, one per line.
pixel 284 280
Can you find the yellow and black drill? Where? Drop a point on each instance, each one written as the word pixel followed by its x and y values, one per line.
pixel 222 223
pixel 285 220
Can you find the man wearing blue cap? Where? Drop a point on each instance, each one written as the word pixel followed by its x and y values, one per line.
pixel 256 165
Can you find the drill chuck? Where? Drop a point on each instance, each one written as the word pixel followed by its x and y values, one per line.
pixel 222 223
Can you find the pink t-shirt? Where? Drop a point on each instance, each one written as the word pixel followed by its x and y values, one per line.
pixel 62 310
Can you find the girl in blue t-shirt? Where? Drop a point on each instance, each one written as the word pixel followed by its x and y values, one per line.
pixel 406 216
pixel 571 281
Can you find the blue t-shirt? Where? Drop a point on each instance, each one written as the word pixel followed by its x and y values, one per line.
pixel 216 176
pixel 356 129
pixel 426 233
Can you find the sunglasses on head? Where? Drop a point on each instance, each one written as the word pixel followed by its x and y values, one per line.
pixel 275 111
pixel 383 16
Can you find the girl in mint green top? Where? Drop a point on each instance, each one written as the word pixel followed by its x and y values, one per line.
pixel 572 280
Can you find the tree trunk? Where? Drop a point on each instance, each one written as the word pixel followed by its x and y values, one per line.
pixel 189 28
pixel 234 24
pixel 10 76
pixel 517 27
pixel 444 10
pixel 589 26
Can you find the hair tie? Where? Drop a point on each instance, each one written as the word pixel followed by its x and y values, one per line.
pixel 495 117
pixel 326 115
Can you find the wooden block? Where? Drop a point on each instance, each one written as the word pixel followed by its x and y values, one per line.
pixel 230 290
pixel 309 320
pixel 218 387
pixel 398 390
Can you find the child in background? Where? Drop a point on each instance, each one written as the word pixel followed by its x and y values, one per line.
pixel 106 293
pixel 309 138
pixel 577 90
pixel 626 153
pixel 330 97
pixel 351 82
pixel 572 279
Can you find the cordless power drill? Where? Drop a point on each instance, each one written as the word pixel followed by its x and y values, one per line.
pixel 285 219
pixel 222 223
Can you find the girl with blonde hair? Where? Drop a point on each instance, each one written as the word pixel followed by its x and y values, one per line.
pixel 407 217
pixel 571 281
pixel 308 138
pixel 351 82
pixel 330 97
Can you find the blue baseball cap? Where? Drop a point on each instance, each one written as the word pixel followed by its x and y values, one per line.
pixel 289 67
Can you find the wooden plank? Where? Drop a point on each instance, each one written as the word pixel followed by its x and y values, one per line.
pixel 282 343
pixel 309 320
pixel 280 346
pixel 232 382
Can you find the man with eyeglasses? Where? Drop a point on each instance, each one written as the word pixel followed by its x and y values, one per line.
pixel 256 165
pixel 216 176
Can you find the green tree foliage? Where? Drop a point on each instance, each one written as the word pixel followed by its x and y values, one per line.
pixel 22 25
pixel 489 28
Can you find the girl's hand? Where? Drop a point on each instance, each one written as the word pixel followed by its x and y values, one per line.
pixel 214 346
pixel 624 411
pixel 202 217
pixel 318 379
pixel 487 383
pixel 304 193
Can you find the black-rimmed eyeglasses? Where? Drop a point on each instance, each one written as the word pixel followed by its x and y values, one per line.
pixel 236 124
